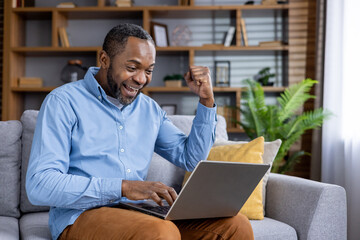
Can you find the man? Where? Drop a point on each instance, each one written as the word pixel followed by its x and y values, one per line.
pixel 93 144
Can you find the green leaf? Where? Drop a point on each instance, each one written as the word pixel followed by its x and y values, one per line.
pixel 280 121
pixel 254 102
pixel 294 97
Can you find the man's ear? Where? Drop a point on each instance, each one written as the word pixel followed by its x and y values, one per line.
pixel 104 60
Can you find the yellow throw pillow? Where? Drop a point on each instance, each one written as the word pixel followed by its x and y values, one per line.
pixel 249 153
pixel 270 151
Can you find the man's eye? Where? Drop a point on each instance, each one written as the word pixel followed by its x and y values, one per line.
pixel 149 71
pixel 132 69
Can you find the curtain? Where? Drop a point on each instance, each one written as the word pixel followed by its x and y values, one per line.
pixel 341 134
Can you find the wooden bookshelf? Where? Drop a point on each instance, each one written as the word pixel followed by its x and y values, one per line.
pixel 158 49
pixel 299 52
pixel 16 51
pixel 149 90
pixel 33 89
pixel 234 90
pixel 154 8
pixel 54 49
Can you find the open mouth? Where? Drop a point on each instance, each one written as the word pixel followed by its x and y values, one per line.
pixel 130 91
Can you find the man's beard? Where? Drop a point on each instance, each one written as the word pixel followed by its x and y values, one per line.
pixel 115 89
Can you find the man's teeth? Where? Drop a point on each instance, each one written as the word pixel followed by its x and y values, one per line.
pixel 131 88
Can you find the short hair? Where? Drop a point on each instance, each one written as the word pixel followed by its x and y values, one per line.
pixel 116 39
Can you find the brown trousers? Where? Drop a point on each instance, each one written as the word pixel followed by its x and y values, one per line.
pixel 114 223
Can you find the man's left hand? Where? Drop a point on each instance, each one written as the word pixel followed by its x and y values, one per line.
pixel 199 81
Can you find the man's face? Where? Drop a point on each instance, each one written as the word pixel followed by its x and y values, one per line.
pixel 131 70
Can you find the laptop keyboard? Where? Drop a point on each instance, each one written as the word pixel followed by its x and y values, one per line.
pixel 158 209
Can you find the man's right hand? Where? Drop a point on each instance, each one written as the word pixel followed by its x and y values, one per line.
pixel 140 190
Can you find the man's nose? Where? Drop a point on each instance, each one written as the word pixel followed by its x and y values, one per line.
pixel 140 77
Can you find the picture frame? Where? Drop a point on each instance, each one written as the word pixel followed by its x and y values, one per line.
pixel 170 109
pixel 159 33
pixel 222 73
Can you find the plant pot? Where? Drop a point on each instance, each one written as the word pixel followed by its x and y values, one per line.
pixel 173 83
pixel 269 84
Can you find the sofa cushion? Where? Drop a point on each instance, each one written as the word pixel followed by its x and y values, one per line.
pixel 9 228
pixel 10 159
pixel 169 174
pixel 28 120
pixel 270 151
pixel 35 226
pixel 250 153
pixel 184 123
pixel 270 229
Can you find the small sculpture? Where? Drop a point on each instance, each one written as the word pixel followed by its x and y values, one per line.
pixel 181 36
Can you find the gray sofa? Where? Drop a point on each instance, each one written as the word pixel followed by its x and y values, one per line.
pixel 295 208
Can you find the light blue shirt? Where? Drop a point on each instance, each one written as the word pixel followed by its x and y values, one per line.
pixel 84 146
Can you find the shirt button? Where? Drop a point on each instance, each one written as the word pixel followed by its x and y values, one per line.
pixel 99 97
pixel 128 170
pixel 122 150
pixel 121 127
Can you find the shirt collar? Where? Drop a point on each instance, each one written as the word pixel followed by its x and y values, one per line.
pixel 93 85
pixel 95 88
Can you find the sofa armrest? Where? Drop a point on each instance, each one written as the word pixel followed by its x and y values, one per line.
pixel 316 210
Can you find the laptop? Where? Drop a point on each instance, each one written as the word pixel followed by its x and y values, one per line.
pixel 214 189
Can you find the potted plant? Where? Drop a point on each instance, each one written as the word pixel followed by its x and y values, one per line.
pixel 263 77
pixel 280 121
pixel 174 80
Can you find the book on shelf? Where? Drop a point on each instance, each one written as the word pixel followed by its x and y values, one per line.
pixel 268 2
pixel 229 36
pixel 271 43
pixel 23 3
pixel 212 45
pixel 64 38
pixel 66 5
pixel 30 82
pixel 61 38
pixel 243 32
pixel 123 3
pixel 184 2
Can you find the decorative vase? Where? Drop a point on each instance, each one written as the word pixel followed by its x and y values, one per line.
pixel 73 71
